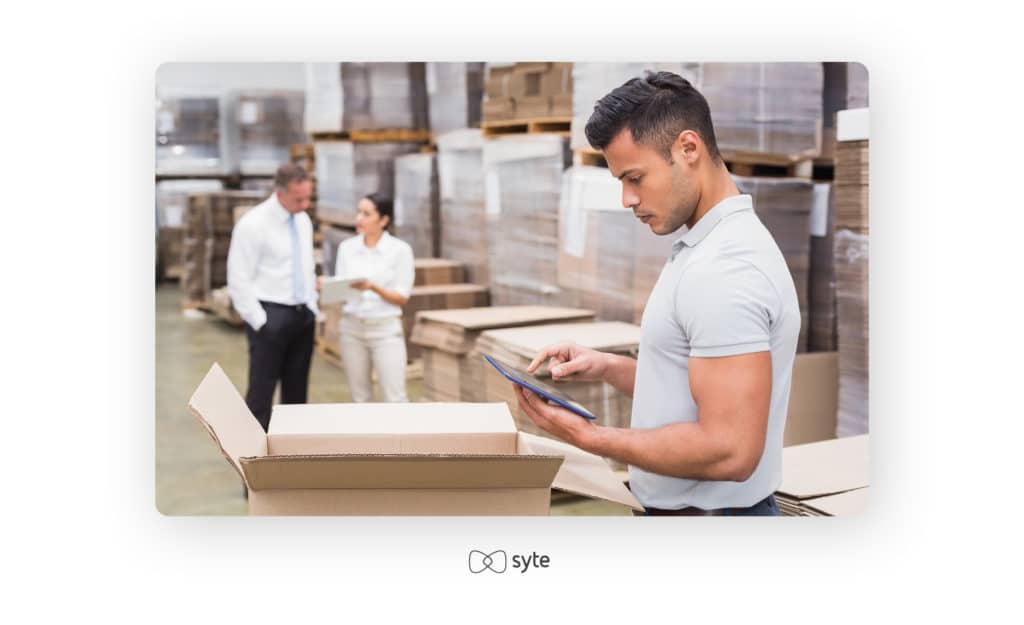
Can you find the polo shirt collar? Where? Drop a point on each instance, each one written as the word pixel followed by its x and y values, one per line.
pixel 707 223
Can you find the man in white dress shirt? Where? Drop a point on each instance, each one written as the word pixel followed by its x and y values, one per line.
pixel 272 283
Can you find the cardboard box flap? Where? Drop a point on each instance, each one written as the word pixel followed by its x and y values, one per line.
pixel 221 409
pixel 582 473
pixel 826 467
pixel 401 471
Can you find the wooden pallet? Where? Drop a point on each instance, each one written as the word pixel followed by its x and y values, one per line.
pixel 530 125
pixel 589 157
pixel 770 165
pixel 376 135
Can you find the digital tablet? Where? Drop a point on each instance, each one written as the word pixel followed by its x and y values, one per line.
pixel 539 387
pixel 339 290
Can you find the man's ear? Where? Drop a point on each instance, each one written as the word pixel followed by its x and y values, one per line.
pixel 687 147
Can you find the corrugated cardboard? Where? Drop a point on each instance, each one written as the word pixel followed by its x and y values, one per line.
pixel 813 398
pixel 826 467
pixel 394 459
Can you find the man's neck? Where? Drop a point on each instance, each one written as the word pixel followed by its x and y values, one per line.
pixel 718 186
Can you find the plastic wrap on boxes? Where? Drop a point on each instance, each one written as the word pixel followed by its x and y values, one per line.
pixel 466 228
pixel 264 124
pixel 784 206
pixel 596 243
pixel 383 95
pixel 347 172
pixel 845 87
pixel 416 207
pixel 593 81
pixel 523 182
pixel 851 266
pixel 192 134
pixel 455 92
pixel 822 291
pixel 172 198
pixel 330 239
pixel 324 100
pixel 765 108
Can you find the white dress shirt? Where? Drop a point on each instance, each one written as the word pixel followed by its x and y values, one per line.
pixel 389 265
pixel 260 261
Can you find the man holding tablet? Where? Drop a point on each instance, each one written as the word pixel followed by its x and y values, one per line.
pixel 711 384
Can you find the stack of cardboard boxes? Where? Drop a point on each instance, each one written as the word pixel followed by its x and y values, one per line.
pixel 455 94
pixel 417 217
pixel 466 227
pixel 208 223
pixel 264 124
pixel 851 267
pixel 527 90
pixel 827 478
pixel 524 253
pixel 192 134
pixel 453 369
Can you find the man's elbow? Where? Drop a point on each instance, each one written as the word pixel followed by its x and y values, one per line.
pixel 738 466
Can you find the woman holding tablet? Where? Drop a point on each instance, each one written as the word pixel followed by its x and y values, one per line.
pixel 371 323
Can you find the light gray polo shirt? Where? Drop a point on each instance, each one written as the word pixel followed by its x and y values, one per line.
pixel 726 290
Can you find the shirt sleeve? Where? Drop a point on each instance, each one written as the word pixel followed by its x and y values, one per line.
pixel 725 307
pixel 405 271
pixel 243 256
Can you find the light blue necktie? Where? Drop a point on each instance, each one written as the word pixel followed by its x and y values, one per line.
pixel 298 284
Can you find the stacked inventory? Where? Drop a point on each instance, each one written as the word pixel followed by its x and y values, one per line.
pixel 845 87
pixel 823 275
pixel 171 204
pixel 265 124
pixel 417 210
pixel 523 176
pixel 784 207
pixel 347 171
pixel 466 228
pixel 452 369
pixel 768 109
pixel 383 95
pixel 455 92
pixel 592 81
pixel 596 251
pixel 851 267
pixel 518 347
pixel 650 254
pixel 191 135
pixel 347 96
pixel 827 478
pixel 209 219
pixel 527 90
pixel 434 271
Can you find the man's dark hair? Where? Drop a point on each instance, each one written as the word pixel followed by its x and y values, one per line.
pixel 384 206
pixel 655 108
pixel 289 173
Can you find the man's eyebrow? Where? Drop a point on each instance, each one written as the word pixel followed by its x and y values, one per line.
pixel 625 173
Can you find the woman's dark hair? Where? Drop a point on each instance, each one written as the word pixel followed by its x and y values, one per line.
pixel 385 207
pixel 655 108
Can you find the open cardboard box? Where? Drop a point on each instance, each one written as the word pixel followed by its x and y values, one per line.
pixel 395 459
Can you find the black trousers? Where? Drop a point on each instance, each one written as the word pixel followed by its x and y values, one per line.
pixel 281 350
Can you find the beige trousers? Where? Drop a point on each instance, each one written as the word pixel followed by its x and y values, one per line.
pixel 377 345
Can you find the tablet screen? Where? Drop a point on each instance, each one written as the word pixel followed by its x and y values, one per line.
pixel 538 386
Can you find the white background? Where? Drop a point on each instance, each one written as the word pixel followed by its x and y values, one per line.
pixel 83 538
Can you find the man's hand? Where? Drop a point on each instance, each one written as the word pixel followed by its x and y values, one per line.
pixel 567 360
pixel 555 420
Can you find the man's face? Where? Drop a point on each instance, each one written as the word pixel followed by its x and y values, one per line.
pixel 663 195
pixel 296 197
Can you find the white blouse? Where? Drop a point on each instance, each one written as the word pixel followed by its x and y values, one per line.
pixel 389 264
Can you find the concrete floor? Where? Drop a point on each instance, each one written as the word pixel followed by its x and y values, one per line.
pixel 192 477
